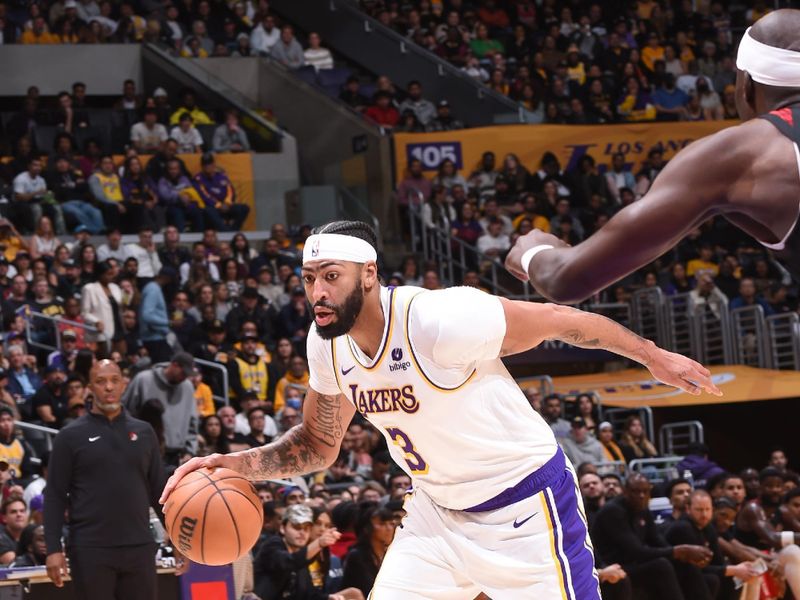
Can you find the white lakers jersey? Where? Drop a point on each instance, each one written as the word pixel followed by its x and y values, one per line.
pixel 453 416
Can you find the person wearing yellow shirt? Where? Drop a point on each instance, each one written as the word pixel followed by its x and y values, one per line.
pixel 11 241
pixel 576 71
pixel 189 105
pixel 247 372
pixel 529 212
pixel 297 375
pixel 704 265
pixel 203 396
pixel 652 52
pixel 38 34
pixel 106 188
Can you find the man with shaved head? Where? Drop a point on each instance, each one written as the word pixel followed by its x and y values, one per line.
pixel 106 469
pixel 747 173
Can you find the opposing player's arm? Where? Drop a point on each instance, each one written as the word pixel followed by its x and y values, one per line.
pixel 693 186
pixel 311 446
pixel 529 323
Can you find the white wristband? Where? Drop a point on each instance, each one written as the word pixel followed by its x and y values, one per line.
pixel 528 255
pixel 787 538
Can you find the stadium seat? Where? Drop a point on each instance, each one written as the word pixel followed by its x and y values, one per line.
pixel 307 74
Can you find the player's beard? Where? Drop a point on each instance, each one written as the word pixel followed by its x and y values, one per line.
pixel 346 314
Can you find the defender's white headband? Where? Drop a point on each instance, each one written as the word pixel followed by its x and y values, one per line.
pixel 333 246
pixel 768 65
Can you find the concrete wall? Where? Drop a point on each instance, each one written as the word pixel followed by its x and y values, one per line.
pixel 325 130
pixel 55 68
pixel 274 175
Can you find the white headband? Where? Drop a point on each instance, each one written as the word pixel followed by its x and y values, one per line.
pixel 333 246
pixel 768 65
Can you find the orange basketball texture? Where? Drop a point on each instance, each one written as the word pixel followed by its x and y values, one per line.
pixel 213 516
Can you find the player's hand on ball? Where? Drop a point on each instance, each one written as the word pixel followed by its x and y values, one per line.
pixel 56 568
pixel 198 462
pixel 682 372
pixel 526 242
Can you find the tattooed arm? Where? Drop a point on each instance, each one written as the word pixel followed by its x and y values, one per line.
pixel 528 324
pixel 311 446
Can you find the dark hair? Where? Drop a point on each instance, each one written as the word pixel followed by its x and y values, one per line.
pixel 673 482
pixel 344 516
pixel 792 493
pixel 9 501
pixel 364 526
pixel 769 472
pixel 26 539
pixel 356 229
pixel 552 397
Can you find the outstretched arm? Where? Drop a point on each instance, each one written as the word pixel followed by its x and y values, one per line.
pixel 686 193
pixel 529 323
pixel 311 446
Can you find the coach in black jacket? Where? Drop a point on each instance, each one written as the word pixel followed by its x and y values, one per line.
pixel 106 469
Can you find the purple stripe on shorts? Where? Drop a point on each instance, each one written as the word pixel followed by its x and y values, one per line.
pixel 573 539
pixel 554 518
pixel 546 475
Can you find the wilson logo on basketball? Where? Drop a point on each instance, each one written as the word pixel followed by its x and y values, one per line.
pixel 186 534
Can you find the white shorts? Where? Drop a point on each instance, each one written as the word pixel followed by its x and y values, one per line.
pixel 537 548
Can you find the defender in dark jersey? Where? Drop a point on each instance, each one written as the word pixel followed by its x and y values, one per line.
pixel 748 174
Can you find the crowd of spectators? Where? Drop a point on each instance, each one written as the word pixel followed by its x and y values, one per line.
pixel 497 202
pixel 149 184
pixel 588 62
pixel 579 62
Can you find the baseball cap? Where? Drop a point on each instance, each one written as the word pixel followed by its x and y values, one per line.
pixel 297 514
pixel 53 369
pixel 250 292
pixel 207 158
pixel 443 103
pixel 293 403
pixel 185 361
pixel 70 4
pixel 604 425
pixel 216 325
pixel 3 373
pixel 578 422
pixel 81 228
pixel 249 336
pixel 70 263
pixel 3 260
pixel 6 410
pixel 160 92
pixel 298 291
pixel 69 333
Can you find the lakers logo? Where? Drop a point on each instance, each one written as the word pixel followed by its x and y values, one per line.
pixel 384 399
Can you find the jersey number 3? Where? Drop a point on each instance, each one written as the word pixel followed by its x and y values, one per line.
pixel 415 462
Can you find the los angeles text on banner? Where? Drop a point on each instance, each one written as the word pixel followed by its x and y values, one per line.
pixel 529 142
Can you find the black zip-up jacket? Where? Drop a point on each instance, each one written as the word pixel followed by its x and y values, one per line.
pixel 108 474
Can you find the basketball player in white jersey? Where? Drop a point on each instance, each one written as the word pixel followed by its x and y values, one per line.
pixel 495 506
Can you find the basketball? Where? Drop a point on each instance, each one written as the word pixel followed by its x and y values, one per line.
pixel 213 516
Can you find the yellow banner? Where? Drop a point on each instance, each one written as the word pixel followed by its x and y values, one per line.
pixel 529 142
pixel 636 387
